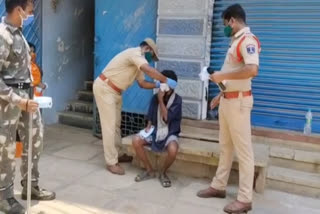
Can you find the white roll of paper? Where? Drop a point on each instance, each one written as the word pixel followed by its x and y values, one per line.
pixel 204 75
pixel 44 102
pixel 145 134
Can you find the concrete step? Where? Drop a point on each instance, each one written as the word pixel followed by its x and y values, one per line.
pixel 198 158
pixel 88 85
pixel 294 181
pixel 296 165
pixel 272 137
pixel 80 106
pixel 77 119
pixel 191 132
pixel 295 154
pixel 85 95
pixel 301 159
pixel 307 161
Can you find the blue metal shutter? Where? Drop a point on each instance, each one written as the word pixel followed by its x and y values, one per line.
pixel 289 77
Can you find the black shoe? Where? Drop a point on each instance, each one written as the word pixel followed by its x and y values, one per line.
pixel 11 206
pixel 38 194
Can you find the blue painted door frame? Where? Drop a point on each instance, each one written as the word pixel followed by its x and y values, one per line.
pixel 120 25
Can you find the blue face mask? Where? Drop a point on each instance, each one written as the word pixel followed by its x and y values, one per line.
pixel 28 20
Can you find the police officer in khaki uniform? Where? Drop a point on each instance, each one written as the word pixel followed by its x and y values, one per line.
pixel 240 66
pixel 118 75
pixel 15 105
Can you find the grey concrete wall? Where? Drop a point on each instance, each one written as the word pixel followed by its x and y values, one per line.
pixel 67 51
pixel 184 39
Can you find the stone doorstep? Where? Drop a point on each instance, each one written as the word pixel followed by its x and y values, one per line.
pixel 82 120
pixel 293 188
pixel 308 157
pixel 88 85
pixel 296 165
pixel 276 151
pixel 294 177
pixel 76 115
pixel 274 134
pixel 199 157
pixel 199 133
pixel 80 106
pixel 85 95
pixel 296 155
pixel 207 152
pixel 281 152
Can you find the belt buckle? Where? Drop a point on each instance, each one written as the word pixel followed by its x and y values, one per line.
pixel 20 85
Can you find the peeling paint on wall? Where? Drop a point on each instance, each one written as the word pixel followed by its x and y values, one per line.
pixel 60 45
pixel 134 21
pixel 65 60
pixel 78 12
pixel 67 56
pixel 69 53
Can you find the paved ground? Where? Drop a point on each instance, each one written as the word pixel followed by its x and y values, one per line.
pixel 73 166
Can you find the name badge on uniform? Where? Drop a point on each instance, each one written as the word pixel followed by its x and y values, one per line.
pixel 251 49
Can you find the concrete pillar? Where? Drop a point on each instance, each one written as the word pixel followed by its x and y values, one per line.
pixel 184 40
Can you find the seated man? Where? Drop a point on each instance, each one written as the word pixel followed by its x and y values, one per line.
pixel 165 116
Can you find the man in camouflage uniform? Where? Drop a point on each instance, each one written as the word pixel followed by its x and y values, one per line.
pixel 15 106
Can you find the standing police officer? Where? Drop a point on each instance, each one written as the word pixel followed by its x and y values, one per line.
pixel 240 66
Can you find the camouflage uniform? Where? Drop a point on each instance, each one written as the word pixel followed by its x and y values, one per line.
pixel 15 69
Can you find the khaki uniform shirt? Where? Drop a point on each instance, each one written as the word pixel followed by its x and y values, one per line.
pixel 250 53
pixel 124 68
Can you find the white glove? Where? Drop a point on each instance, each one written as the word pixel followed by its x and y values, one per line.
pixel 164 87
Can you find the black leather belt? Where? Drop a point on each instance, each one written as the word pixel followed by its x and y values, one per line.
pixel 20 85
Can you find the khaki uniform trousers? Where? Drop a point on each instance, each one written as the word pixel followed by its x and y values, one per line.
pixel 235 135
pixel 109 103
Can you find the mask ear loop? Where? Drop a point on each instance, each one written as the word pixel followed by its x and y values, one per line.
pixel 22 19
pixel 24 13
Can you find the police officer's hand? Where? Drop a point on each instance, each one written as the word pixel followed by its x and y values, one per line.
pixel 216 77
pixel 215 101
pixel 28 105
